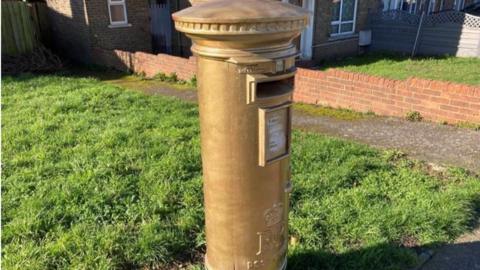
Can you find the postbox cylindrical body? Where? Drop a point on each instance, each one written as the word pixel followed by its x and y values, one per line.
pixel 245 70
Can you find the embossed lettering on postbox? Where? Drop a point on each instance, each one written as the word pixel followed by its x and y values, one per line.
pixel 274 215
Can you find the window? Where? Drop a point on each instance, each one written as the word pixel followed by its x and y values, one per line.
pixel 343 17
pixel 391 5
pixel 459 4
pixel 410 6
pixel 431 7
pixel 405 5
pixel 118 12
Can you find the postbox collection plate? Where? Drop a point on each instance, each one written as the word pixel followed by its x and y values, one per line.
pixel 274 133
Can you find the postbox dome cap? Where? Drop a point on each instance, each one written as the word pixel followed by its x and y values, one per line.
pixel 236 17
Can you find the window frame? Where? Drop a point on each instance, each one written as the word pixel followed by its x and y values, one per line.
pixel 339 22
pixel 458 5
pixel 117 3
pixel 431 6
pixel 412 9
pixel 399 4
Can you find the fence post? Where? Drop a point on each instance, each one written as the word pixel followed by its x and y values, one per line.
pixel 417 37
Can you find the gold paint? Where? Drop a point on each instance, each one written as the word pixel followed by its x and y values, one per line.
pixel 246 46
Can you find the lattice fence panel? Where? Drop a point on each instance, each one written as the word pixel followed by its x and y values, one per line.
pixel 454 17
pixel 395 16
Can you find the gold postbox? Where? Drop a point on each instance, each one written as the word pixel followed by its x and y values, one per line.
pixel 245 69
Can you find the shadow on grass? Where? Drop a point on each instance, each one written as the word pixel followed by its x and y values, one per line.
pixel 460 256
pixel 76 70
pixel 464 255
pixel 384 256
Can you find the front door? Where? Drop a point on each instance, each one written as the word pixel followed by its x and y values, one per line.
pixel 161 26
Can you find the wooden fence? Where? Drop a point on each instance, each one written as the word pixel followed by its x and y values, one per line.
pixel 446 33
pixel 23 26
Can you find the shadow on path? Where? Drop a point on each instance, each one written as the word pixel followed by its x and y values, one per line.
pixel 464 253
pixel 460 256
pixel 457 256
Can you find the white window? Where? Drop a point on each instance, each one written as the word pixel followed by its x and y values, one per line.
pixel 405 5
pixel 459 4
pixel 431 6
pixel 344 13
pixel 118 12
pixel 410 6
pixel 391 4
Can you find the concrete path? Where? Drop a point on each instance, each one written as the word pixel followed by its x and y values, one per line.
pixel 434 143
pixel 438 144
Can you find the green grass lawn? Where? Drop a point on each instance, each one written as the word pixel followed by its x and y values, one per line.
pixel 98 177
pixel 453 69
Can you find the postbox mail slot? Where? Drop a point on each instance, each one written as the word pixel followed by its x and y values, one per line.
pixel 274 133
pixel 274 88
pixel 261 86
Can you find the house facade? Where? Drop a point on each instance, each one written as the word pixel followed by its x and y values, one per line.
pixel 81 27
pixel 334 27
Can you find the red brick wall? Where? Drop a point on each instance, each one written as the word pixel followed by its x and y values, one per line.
pixel 150 64
pixel 436 101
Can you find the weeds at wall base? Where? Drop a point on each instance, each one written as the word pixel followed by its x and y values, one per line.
pixel 414 116
pixel 170 78
pixel 468 125
pixel 339 113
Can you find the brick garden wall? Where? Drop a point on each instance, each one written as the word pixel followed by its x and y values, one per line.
pixel 150 64
pixel 436 101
